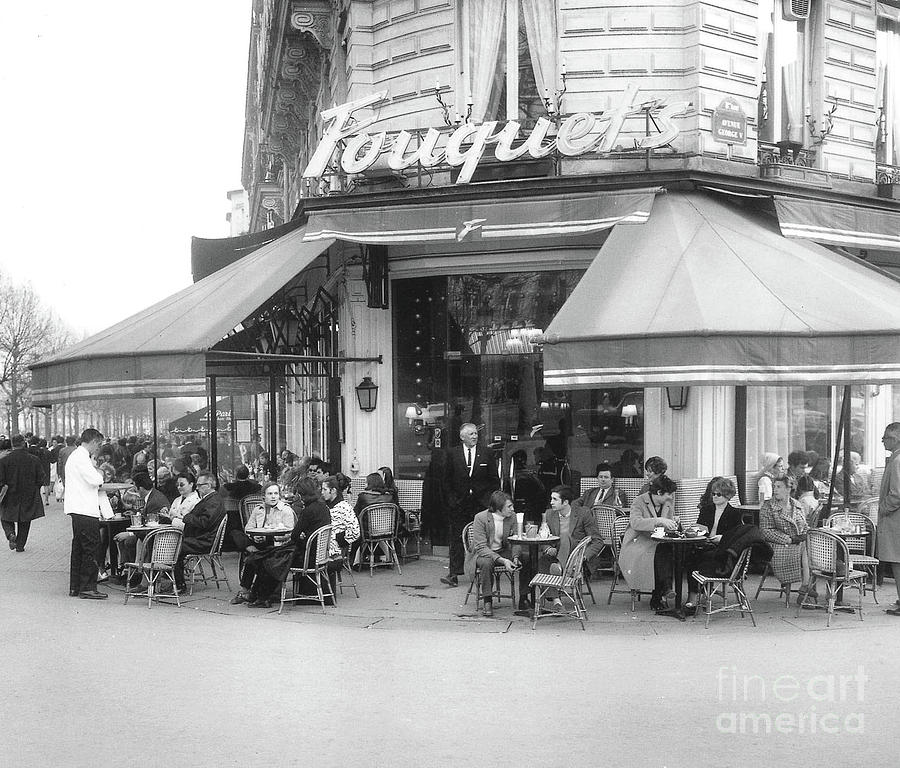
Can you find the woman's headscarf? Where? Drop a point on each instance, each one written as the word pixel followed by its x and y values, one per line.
pixel 768 461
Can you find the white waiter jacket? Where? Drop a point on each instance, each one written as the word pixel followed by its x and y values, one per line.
pixel 83 481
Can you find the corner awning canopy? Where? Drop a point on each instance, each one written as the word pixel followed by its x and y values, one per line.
pixel 483 219
pixel 835 224
pixel 709 293
pixel 161 351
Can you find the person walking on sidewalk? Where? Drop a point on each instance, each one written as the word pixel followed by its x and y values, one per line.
pixel 22 475
pixel 82 504
pixel 471 477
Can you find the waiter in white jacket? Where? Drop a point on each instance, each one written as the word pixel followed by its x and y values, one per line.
pixel 82 504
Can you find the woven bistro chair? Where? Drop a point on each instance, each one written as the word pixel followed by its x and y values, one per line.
pixel 158 557
pixel 712 585
pixel 379 525
pixel 862 548
pixel 568 584
pixel 869 508
pixel 498 572
pixel 345 568
pixel 314 569
pixel 606 518
pixel 831 563
pixel 194 563
pixel 248 504
pixel 620 525
pixel 414 531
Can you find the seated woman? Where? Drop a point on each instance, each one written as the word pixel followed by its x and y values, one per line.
pixel 375 493
pixel 187 498
pixel 784 527
pixel 645 566
pixel 772 467
pixel 273 513
pixel 344 524
pixel 718 517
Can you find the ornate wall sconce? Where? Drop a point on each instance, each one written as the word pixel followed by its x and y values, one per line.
pixel 818 136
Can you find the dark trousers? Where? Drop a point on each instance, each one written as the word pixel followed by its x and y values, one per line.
pixel 662 570
pixel 486 575
pixel 188 547
pixel 83 562
pixel 19 537
pixel 460 516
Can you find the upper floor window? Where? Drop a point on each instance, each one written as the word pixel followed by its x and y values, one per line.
pixel 887 48
pixel 508 57
pixel 785 71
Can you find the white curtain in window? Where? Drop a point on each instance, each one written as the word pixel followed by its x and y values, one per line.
pixel 540 29
pixel 486 19
pixel 776 422
pixel 888 47
pixel 794 128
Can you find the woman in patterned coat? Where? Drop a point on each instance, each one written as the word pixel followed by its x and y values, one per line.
pixel 784 527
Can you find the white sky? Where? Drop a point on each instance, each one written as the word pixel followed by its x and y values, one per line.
pixel 121 127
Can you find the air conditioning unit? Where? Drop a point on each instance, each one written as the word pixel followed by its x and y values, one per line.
pixel 795 10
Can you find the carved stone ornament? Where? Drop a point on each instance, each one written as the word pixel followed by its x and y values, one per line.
pixel 314 17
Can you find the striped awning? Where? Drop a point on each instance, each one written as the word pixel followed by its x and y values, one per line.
pixel 837 224
pixel 711 293
pixel 162 351
pixel 471 221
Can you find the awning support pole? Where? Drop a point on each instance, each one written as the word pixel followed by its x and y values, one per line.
pixel 213 420
pixel 156 455
pixel 847 446
pixel 843 434
pixel 273 426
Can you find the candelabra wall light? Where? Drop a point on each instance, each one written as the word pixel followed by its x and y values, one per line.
pixel 445 108
pixel 820 134
pixel 553 102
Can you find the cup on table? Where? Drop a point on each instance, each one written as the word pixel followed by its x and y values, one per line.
pixel 152 517
pixel 136 519
pixel 659 531
pixel 531 531
pixel 520 522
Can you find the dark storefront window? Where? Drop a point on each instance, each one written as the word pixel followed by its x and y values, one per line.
pixel 464 352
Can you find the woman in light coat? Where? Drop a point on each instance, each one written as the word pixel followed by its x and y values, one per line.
pixel 646 567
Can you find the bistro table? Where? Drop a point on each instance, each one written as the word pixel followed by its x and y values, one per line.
pixel 679 546
pixel 533 543
pixel 113 525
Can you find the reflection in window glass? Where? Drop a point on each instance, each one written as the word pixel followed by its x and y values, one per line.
pixel 785 419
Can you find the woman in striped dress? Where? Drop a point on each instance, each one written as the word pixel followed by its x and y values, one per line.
pixel 784 527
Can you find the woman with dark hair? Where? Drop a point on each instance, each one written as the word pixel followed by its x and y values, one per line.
pixel 645 566
pixel 188 497
pixel 344 525
pixel 374 493
pixel 390 487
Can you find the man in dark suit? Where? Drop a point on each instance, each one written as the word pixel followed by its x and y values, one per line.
pixel 605 493
pixel 22 475
pixel 471 476
pixel 200 524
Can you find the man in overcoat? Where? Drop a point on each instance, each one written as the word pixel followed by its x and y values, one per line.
pixel 22 475
pixel 889 509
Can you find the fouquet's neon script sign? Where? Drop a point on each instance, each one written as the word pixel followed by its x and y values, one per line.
pixel 577 134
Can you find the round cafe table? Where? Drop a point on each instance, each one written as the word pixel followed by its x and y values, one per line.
pixel 270 534
pixel 534 544
pixel 679 545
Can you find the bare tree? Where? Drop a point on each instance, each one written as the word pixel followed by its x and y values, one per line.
pixel 28 331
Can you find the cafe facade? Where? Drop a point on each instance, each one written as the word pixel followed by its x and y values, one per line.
pixel 431 182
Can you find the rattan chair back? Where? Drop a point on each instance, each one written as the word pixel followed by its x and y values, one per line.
pixel 467 539
pixel 164 545
pixel 219 540
pixel 824 550
pixel 869 508
pixel 319 542
pixel 248 504
pixel 380 521
pixel 606 518
pixel 620 525
pixel 573 572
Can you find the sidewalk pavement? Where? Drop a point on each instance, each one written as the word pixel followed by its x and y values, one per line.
pixel 407 675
